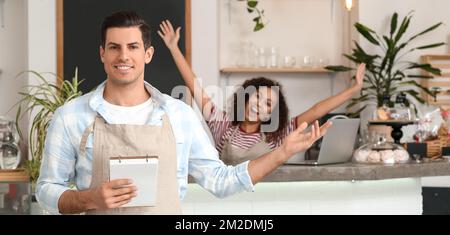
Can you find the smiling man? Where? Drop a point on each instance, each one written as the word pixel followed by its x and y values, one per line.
pixel 126 116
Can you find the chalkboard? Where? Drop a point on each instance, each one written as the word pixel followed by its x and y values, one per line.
pixel 81 23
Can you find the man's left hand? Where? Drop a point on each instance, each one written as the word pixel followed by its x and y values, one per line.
pixel 299 141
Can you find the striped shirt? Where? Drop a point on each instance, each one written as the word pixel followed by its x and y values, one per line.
pixel 196 156
pixel 222 129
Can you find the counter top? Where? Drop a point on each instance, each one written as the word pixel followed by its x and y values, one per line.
pixel 358 172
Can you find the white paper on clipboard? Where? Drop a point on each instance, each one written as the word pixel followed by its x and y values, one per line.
pixel 143 170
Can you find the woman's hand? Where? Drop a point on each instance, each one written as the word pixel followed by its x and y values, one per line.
pixel 299 141
pixel 169 35
pixel 360 73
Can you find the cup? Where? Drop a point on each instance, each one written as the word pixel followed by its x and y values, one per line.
pixel 245 55
pixel 323 62
pixel 273 57
pixel 308 61
pixel 289 61
pixel 261 57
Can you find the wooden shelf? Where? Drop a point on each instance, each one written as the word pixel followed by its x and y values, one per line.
pixel 436 57
pixel 442 62
pixel 19 175
pixel 274 70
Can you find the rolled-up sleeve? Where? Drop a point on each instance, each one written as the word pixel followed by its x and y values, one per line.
pixel 208 170
pixel 58 165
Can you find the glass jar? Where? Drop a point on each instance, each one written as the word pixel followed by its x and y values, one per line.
pixel 273 57
pixel 381 152
pixel 397 112
pixel 9 150
pixel 9 156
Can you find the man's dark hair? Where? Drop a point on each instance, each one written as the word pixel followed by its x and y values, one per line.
pixel 125 19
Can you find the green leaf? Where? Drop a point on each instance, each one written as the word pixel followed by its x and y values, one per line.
pixel 252 3
pixel 403 27
pixel 412 82
pixel 415 95
pixel 258 27
pixel 394 23
pixel 430 46
pixel 357 112
pixel 367 33
pixel 257 19
pixel 420 76
pixel 358 101
pixel 250 10
pixel 426 67
pixel 339 68
pixel 352 58
pixel 426 31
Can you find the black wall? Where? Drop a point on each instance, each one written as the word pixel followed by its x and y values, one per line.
pixel 82 22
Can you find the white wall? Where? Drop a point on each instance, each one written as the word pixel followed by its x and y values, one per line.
pixel 42 36
pixel 205 40
pixel 13 54
pixel 376 14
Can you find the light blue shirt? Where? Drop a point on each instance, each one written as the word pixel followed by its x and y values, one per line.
pixel 196 156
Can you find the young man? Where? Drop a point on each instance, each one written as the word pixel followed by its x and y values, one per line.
pixel 126 116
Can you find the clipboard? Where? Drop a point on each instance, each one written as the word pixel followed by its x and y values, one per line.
pixel 143 170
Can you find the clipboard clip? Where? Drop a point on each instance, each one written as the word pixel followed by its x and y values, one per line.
pixel 146 157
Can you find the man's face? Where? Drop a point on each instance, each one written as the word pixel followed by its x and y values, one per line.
pixel 124 56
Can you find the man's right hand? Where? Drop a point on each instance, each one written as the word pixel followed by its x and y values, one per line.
pixel 169 35
pixel 113 194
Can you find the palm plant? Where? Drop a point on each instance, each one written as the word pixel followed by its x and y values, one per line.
pixel 45 98
pixel 387 74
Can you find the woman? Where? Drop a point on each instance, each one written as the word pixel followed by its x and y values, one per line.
pixel 240 136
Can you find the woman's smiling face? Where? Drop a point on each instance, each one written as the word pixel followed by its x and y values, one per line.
pixel 260 105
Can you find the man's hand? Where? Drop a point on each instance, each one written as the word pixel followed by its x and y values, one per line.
pixel 113 194
pixel 170 36
pixel 299 141
pixel 359 81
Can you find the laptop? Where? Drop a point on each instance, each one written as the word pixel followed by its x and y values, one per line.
pixel 337 144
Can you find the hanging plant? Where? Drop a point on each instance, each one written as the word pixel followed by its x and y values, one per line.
pixel 252 7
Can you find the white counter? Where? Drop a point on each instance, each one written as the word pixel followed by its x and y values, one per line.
pixel 390 196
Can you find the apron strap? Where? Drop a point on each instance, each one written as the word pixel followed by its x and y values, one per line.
pixel 85 136
pixel 263 137
pixel 166 122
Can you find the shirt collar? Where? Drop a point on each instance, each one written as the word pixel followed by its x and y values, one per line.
pixel 96 99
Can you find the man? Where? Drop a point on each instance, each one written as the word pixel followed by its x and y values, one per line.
pixel 126 116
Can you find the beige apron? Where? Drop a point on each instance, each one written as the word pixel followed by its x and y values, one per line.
pixel 232 155
pixel 132 140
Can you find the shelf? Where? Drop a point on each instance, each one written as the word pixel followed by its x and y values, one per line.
pixel 442 62
pixel 436 57
pixel 19 175
pixel 274 70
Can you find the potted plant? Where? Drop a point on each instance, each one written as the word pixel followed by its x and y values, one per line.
pixel 387 73
pixel 44 98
